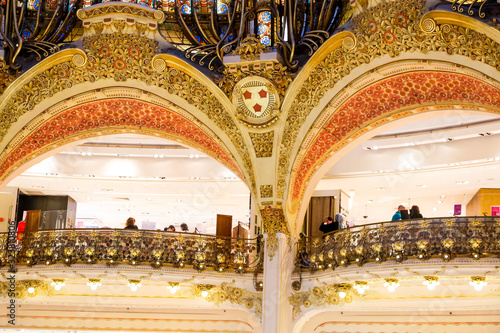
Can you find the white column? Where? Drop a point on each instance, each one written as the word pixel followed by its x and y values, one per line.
pixel 276 311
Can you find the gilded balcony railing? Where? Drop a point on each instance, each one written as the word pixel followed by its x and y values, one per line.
pixel 137 247
pixel 421 239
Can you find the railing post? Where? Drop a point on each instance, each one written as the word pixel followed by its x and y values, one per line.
pixel 277 285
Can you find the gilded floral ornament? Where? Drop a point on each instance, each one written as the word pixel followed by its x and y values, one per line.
pixel 263 143
pixel 266 191
pixel 6 77
pixel 250 49
pixel 321 296
pixel 27 288
pixel 273 220
pixel 234 295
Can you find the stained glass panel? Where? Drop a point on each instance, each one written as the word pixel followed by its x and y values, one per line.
pixel 264 28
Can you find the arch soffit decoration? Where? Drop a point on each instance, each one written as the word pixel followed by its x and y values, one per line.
pixel 408 32
pixel 61 126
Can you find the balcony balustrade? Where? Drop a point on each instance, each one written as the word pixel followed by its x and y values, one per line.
pixel 135 247
pixel 421 239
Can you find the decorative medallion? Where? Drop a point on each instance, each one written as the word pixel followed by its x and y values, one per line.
pixel 257 101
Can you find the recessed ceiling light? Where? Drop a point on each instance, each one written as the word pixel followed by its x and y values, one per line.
pixel 434 209
pixel 149 199
pixel 421 186
pixel 443 196
pixel 462 182
pixel 439 201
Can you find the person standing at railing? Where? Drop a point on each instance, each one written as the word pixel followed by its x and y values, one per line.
pixel 341 220
pixel 184 227
pixel 397 215
pixel 170 228
pixel 328 225
pixel 415 213
pixel 130 224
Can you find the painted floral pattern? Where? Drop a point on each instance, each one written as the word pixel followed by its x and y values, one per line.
pixel 111 115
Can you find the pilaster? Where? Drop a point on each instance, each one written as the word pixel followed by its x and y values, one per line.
pixel 276 310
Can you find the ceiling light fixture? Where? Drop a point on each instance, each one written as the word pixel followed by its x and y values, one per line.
pixel 391 284
pixel 361 286
pixel 173 287
pixel 134 284
pixel 94 283
pixel 478 282
pixel 431 282
pixel 57 284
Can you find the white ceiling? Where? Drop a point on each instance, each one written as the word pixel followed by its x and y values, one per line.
pixel 157 180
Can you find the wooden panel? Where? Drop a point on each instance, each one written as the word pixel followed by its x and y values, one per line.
pixel 224 225
pixel 481 202
pixel 319 207
pixel 32 220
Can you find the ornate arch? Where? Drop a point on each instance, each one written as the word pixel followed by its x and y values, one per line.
pixel 378 103
pixel 382 31
pixel 123 53
pixel 57 127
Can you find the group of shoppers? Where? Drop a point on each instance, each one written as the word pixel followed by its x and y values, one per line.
pixel 329 224
pixel 402 213
pixel 130 224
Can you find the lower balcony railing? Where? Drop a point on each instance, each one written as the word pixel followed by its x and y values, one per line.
pixel 133 247
pixel 445 238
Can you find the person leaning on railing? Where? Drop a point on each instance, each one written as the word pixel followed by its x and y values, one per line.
pixel 328 225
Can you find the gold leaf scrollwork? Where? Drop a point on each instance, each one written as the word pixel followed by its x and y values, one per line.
pixel 428 25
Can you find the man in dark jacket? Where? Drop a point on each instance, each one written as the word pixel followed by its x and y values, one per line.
pixel 328 225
